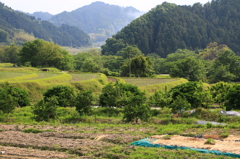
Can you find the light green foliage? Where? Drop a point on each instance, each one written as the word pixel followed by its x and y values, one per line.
pixel 9 53
pixel 233 98
pixel 44 110
pixel 136 109
pixel 212 51
pixel 160 99
pixel 190 68
pixel 210 141
pixel 45 54
pixel 219 92
pixel 129 52
pixel 117 94
pixel 63 94
pixel 83 102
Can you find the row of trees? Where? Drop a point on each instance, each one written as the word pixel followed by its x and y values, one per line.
pixel 133 101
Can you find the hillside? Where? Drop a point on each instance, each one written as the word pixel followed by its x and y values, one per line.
pixel 19 27
pixel 169 27
pixel 98 19
pixel 42 15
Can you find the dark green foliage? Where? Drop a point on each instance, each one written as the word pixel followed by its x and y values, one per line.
pixel 19 95
pixel 136 109
pixel 138 66
pixel 63 94
pixel 193 92
pixel 7 102
pixel 83 102
pixel 233 98
pixel 180 104
pixel 169 27
pixel 46 109
pixel 12 21
pixel 117 94
pixel 190 68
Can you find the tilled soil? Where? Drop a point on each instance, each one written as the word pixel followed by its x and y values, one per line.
pixel 63 142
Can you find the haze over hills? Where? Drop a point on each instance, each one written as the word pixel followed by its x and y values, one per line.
pixel 169 27
pixel 42 15
pixel 19 27
pixel 99 20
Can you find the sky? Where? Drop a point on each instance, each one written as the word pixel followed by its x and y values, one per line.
pixel 58 6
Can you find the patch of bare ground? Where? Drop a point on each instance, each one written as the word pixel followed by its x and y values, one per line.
pixel 7 152
pixel 111 79
pixel 81 147
pixel 229 144
pixel 110 138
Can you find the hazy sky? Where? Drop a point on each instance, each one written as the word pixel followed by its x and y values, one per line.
pixel 58 6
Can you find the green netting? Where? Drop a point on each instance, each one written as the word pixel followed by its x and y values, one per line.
pixel 145 143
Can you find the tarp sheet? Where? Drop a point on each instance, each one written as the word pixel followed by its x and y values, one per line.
pixel 145 143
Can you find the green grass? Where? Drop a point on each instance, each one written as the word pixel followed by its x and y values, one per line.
pixel 140 82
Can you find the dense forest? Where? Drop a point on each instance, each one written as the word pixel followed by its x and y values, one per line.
pixel 18 27
pixel 98 19
pixel 169 27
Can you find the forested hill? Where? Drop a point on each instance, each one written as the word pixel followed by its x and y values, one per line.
pixel 169 27
pixel 98 19
pixel 19 27
pixel 42 15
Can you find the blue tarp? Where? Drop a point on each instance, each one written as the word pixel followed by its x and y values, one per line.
pixel 145 143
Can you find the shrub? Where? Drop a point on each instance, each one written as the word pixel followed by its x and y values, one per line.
pixel 46 110
pixel 210 141
pixel 63 94
pixel 83 102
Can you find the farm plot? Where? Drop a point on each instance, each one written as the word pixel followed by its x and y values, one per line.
pixel 7 75
pixel 140 82
pixel 83 77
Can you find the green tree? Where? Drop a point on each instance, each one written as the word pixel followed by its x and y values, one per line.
pixel 233 98
pixel 180 104
pixel 63 94
pixel 136 109
pixel 116 94
pixel 191 91
pixel 139 66
pixel 219 92
pixel 45 110
pixel 160 99
pixel 189 68
pixel 83 102
pixel 19 95
pixel 7 102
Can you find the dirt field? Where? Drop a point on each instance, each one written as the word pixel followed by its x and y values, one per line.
pixel 63 142
pixel 230 144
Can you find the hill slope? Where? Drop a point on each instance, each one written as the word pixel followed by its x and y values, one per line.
pixel 19 27
pixel 168 27
pixel 98 19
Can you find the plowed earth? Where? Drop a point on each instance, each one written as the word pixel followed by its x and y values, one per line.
pixel 63 142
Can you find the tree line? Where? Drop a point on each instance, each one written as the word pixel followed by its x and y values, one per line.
pixel 213 64
pixel 169 27
pixel 133 102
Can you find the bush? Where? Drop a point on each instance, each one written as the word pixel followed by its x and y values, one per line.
pixel 210 141
pixel 63 94
pixel 46 110
pixel 19 95
pixel 83 102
